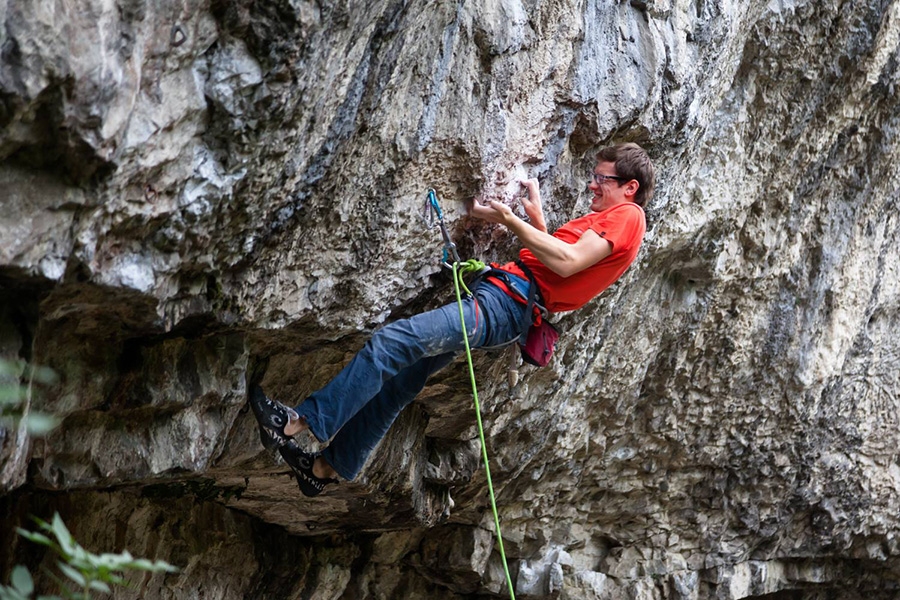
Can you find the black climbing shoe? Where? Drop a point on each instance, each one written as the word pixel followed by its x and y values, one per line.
pixel 273 416
pixel 301 464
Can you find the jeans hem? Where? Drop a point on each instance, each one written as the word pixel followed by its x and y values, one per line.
pixel 337 466
pixel 313 425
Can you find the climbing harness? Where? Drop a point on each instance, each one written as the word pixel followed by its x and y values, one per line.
pixel 459 270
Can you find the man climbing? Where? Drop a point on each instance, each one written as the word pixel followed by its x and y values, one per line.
pixel 572 266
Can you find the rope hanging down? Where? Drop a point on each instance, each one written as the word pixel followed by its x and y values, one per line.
pixel 459 269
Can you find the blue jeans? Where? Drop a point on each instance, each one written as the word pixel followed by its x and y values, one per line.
pixel 359 405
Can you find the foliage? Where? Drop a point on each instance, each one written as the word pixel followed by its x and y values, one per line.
pixel 90 572
pixel 13 395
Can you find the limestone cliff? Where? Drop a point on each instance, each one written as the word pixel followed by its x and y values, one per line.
pixel 189 186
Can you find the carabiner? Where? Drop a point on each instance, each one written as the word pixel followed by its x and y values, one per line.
pixel 433 209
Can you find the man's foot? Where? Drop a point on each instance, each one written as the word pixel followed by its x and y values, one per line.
pixel 273 418
pixel 301 464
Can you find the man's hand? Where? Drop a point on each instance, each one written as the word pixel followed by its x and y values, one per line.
pixel 493 212
pixel 560 257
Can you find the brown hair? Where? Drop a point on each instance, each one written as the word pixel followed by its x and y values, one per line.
pixel 632 162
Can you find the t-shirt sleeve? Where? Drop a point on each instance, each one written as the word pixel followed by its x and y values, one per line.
pixel 620 227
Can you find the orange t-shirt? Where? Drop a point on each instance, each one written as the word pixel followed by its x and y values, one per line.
pixel 623 226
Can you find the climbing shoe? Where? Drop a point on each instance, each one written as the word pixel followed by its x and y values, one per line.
pixel 301 464
pixel 272 416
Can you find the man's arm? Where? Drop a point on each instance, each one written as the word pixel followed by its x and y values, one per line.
pixel 561 258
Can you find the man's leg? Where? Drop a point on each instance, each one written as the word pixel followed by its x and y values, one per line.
pixel 352 445
pixel 503 319
pixel 493 320
pixel 390 350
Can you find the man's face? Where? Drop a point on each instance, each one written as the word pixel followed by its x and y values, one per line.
pixel 609 189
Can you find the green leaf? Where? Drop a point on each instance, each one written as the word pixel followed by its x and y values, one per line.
pixel 42 524
pixel 66 541
pixel 40 424
pixel 72 573
pixel 112 562
pixel 8 593
pixel 11 394
pixel 38 538
pixel 168 568
pixel 104 575
pixel 80 558
pixel 21 580
pixel 143 564
pixel 11 368
pixel 44 375
pixel 100 587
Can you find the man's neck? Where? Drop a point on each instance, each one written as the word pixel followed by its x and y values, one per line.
pixel 606 206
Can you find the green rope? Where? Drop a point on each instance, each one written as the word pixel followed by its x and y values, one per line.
pixel 468 266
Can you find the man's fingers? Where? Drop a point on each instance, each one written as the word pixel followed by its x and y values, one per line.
pixel 481 210
pixel 498 206
pixel 492 211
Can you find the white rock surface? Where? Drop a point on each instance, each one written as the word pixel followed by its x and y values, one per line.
pixel 187 187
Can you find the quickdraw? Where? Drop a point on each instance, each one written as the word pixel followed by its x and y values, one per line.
pixel 435 216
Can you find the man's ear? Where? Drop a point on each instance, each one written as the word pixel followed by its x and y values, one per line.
pixel 632 187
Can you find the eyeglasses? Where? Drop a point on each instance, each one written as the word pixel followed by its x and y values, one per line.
pixel 599 179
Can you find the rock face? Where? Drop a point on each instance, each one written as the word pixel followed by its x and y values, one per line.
pixel 189 187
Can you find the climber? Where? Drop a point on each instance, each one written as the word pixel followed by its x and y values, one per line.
pixel 571 266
